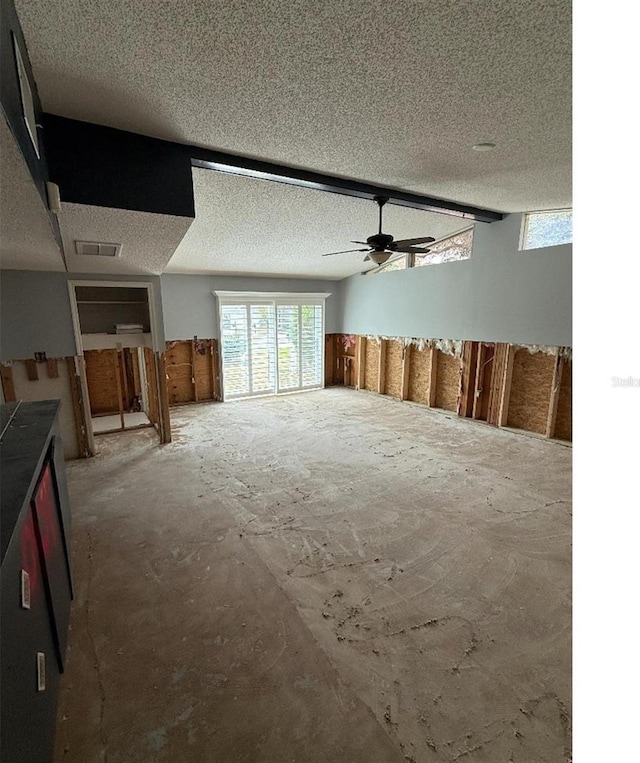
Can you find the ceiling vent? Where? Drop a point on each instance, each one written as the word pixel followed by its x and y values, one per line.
pixel 98 249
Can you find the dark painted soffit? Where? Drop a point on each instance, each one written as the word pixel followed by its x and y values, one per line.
pixel 106 166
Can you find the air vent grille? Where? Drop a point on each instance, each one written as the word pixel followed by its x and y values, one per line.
pixel 98 249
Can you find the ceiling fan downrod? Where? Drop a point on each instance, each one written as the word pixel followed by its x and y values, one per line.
pixel 380 201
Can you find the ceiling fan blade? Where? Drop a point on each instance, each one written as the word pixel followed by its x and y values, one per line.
pixel 412 241
pixel 364 243
pixel 346 251
pixel 412 250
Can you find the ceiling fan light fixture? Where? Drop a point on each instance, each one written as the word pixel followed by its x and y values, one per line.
pixel 483 146
pixel 379 257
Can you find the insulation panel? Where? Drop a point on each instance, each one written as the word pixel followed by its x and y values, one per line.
pixel 179 372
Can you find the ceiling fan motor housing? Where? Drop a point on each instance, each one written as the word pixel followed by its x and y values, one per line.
pixel 380 241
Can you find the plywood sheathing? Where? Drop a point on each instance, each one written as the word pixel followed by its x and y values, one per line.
pixel 531 385
pixel 422 375
pixel 393 368
pixel 192 373
pixel 448 381
pixel 372 364
pixel 563 416
pixel 178 357
pixel 102 380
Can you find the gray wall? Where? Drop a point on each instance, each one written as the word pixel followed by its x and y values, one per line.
pixel 500 294
pixel 35 312
pixel 190 309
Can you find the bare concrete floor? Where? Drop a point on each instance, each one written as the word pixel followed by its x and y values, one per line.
pixel 325 577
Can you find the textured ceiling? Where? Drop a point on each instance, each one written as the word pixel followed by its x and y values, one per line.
pixel 26 237
pixel 148 240
pixel 390 92
pixel 245 225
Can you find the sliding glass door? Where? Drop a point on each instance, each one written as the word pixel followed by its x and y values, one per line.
pixel 269 347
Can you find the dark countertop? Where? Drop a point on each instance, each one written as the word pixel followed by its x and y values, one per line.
pixel 22 452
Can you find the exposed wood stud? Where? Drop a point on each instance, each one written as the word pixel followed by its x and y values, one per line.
pixel 382 367
pixel 467 384
pixel 8 389
pixel 52 368
pixel 329 360
pixel 433 377
pixel 217 387
pixel 555 396
pixel 78 408
pixel 32 369
pixel 194 380
pixel 165 419
pixel 478 389
pixel 406 371
pixel 214 386
pixel 116 360
pixel 505 392
pixel 361 354
pixel 152 387
pixel 497 374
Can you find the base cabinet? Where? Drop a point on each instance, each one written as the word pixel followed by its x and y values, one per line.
pixel 35 583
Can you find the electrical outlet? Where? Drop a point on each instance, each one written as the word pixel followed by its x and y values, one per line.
pixel 25 590
pixel 42 675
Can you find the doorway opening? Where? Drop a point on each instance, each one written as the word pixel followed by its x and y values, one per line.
pixel 113 323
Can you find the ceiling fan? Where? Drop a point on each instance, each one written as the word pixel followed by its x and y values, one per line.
pixel 381 245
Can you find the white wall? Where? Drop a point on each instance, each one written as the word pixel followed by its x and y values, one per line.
pixel 190 309
pixel 500 294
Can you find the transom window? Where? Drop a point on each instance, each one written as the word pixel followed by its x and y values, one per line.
pixel 550 228
pixel 449 249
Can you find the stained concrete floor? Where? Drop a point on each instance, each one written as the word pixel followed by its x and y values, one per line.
pixel 331 577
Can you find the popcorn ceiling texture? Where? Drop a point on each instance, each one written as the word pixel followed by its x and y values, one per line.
pixel 253 226
pixel 394 93
pixel 148 240
pixel 26 235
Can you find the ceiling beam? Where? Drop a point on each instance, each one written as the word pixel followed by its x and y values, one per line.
pixel 220 161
